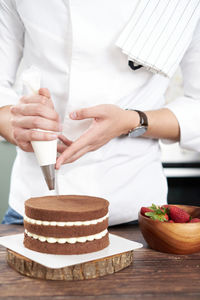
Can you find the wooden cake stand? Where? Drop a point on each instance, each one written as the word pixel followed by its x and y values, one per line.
pixel 87 270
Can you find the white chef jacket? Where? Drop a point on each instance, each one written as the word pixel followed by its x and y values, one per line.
pixel 73 45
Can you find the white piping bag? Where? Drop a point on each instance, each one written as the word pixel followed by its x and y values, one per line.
pixel 45 151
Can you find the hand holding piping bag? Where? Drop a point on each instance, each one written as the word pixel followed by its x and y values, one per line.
pixel 36 124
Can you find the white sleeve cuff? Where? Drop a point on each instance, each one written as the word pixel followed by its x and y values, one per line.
pixel 187 112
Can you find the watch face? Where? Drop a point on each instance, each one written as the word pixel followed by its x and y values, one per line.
pixel 138 131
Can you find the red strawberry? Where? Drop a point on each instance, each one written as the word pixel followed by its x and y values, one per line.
pixel 166 206
pixel 166 217
pixel 195 220
pixel 170 221
pixel 155 212
pixel 178 215
pixel 144 210
pixel 165 213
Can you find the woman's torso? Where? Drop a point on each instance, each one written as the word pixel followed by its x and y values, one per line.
pixel 73 45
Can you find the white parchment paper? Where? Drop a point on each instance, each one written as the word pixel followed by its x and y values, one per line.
pixel 117 245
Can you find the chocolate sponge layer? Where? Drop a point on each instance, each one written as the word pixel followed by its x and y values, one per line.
pixel 66 208
pixel 56 248
pixel 66 231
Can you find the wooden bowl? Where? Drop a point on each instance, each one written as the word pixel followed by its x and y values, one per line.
pixel 177 238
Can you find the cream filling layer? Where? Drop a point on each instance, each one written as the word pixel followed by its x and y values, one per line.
pixel 72 240
pixel 54 223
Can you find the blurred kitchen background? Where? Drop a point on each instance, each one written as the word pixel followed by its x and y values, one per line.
pixel 182 167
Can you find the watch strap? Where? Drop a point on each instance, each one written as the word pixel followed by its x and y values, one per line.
pixel 143 118
pixel 141 128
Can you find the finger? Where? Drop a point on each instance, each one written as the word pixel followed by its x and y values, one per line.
pixel 37 99
pixel 61 148
pixel 34 109
pixel 25 146
pixel 36 122
pixel 77 155
pixel 64 140
pixel 86 113
pixel 71 159
pixel 26 135
pixel 44 92
pixel 74 148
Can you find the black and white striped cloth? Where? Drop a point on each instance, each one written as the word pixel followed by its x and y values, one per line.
pixel 159 32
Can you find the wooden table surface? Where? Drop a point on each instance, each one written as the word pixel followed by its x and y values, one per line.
pixel 153 275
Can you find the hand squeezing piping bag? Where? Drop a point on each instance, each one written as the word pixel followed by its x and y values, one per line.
pixel 45 151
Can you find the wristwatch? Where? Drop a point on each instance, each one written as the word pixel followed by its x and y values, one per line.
pixel 142 126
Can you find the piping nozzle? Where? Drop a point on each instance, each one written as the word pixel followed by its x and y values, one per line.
pixel 49 175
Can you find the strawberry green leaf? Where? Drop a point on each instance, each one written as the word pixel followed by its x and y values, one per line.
pixel 153 207
pixel 149 214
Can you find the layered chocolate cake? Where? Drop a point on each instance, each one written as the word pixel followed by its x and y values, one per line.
pixel 66 224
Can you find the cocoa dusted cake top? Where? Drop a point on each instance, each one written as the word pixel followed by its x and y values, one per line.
pixel 66 208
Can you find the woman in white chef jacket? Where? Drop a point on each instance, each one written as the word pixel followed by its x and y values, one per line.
pixel 86 53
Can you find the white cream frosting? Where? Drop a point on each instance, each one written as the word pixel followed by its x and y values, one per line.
pixel 71 240
pixel 54 223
